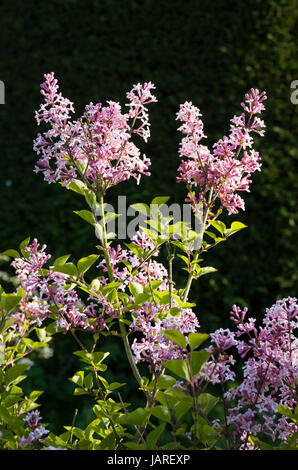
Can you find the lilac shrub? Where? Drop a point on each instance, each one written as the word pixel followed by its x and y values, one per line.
pixel 239 391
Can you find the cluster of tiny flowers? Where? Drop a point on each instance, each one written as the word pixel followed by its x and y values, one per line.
pixel 120 259
pixel 224 170
pixel 154 271
pixel 270 371
pixel 218 368
pixel 38 432
pixel 45 292
pixel 153 347
pixel 97 147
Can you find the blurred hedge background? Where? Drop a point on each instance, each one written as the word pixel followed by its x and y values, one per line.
pixel 208 52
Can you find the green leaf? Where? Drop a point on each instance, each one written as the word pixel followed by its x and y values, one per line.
pixel 207 402
pixel 154 435
pixel 88 381
pixel 206 270
pixel 235 227
pixel 160 200
pixel 77 432
pixel 42 335
pixel 116 385
pixel 78 187
pixel 23 245
pixel 95 285
pixel 109 287
pixel 198 360
pixel 179 367
pixel 184 258
pixel 163 382
pixel 14 373
pixel 11 253
pixel 8 418
pixel 7 323
pixel 174 311
pixel 137 417
pixel 260 444
pixel 152 234
pixel 176 336
pixel 136 249
pixel 80 391
pixel 211 235
pixel 61 260
pixel 285 411
pixel 196 339
pixel 38 345
pixel 99 231
pixel 10 301
pixel 67 268
pixel 56 441
pixel 180 245
pixel 139 299
pixel 15 396
pixel 108 442
pixel 161 412
pixel 108 217
pixel 90 198
pixel 206 433
pixel 220 226
pixel 85 263
pixel 182 408
pixel 35 394
pixel 163 297
pixel 135 288
pixel 112 296
pixel 178 228
pixel 89 358
pixel 86 215
pixel 104 382
pixel 78 378
pixel 141 208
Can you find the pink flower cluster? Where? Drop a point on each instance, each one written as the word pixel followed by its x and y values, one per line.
pixel 38 432
pixel 96 148
pixel 120 259
pixel 270 371
pixel 153 347
pixel 45 290
pixel 157 271
pixel 218 368
pixel 223 171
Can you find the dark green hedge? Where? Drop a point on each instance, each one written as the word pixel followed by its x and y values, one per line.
pixel 208 52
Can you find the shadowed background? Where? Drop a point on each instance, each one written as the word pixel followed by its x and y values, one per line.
pixel 207 52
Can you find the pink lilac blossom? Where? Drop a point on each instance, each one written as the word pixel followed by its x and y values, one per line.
pixel 38 432
pixel 218 367
pixel 121 274
pixel 223 170
pixel 97 147
pixel 153 347
pixel 32 419
pixel 35 437
pixel 45 291
pixel 270 371
pixel 157 272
